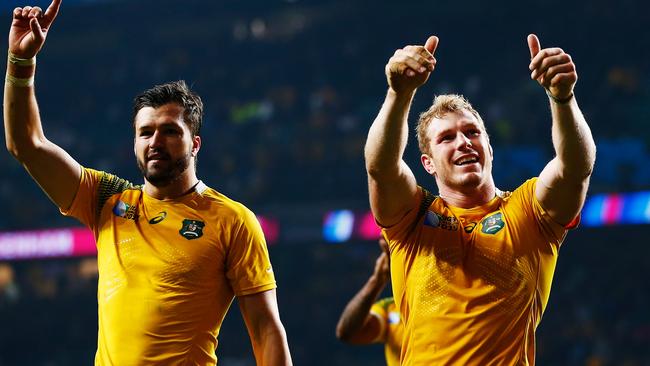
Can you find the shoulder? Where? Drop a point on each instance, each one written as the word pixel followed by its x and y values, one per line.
pixel 107 185
pixel 220 205
pixel 108 182
pixel 525 191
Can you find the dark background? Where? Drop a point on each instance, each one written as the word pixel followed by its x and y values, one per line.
pixel 290 89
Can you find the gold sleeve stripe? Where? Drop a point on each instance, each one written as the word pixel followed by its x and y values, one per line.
pixel 109 185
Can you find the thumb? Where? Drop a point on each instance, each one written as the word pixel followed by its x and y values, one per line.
pixel 37 32
pixel 533 45
pixel 431 44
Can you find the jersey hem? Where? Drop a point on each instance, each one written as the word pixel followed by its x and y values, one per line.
pixel 257 289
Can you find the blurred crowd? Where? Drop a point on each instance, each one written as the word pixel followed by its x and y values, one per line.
pixel 290 89
pixel 290 92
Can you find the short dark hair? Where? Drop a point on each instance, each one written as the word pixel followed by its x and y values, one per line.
pixel 173 92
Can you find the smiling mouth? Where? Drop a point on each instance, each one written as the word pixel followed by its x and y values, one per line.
pixel 157 158
pixel 467 161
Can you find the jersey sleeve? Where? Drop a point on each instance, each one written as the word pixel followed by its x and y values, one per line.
pixel 249 268
pixel 380 311
pixel 95 187
pixel 549 228
pixel 402 229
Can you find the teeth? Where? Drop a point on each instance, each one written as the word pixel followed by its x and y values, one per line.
pixel 467 160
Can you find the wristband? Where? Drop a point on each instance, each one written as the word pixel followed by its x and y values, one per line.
pixel 21 61
pixel 12 80
pixel 558 100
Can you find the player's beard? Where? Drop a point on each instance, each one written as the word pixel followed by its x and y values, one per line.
pixel 164 177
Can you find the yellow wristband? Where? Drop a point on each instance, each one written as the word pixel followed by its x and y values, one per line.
pixel 12 80
pixel 21 61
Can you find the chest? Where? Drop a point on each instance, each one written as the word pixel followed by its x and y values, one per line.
pixel 486 250
pixel 163 243
pixel 462 237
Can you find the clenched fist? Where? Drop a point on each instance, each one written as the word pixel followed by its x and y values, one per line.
pixel 553 69
pixel 411 66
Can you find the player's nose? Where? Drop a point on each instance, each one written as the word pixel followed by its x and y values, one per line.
pixel 156 139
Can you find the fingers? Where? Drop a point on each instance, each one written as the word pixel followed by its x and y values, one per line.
pixel 569 78
pixel 47 17
pixel 411 60
pixel 554 57
pixel 51 13
pixel 431 44
pixel 418 50
pixel 546 78
pixel 381 263
pixel 37 31
pixel 383 245
pixel 28 12
pixel 552 68
pixel 36 12
pixel 533 45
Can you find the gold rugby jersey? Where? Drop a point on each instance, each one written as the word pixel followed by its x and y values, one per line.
pixel 391 329
pixel 168 269
pixel 472 284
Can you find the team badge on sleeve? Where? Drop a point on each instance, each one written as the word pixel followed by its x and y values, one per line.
pixel 124 210
pixel 431 219
pixel 192 229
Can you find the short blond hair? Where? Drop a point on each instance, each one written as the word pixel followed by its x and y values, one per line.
pixel 442 104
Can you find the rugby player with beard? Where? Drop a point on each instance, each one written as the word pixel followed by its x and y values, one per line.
pixel 172 253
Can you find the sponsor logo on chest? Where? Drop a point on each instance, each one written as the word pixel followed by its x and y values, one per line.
pixel 158 218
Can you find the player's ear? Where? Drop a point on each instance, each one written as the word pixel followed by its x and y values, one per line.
pixel 427 163
pixel 196 145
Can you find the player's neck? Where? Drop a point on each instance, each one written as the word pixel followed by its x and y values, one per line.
pixel 177 188
pixel 468 197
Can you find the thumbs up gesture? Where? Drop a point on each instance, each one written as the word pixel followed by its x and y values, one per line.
pixel 553 69
pixel 411 66
pixel 29 29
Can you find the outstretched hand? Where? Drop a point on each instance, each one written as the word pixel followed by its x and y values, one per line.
pixel 552 68
pixel 411 66
pixel 29 29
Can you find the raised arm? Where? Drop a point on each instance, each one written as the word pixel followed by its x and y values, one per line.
pixel 391 183
pixel 562 185
pixel 269 340
pixel 54 170
pixel 357 325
